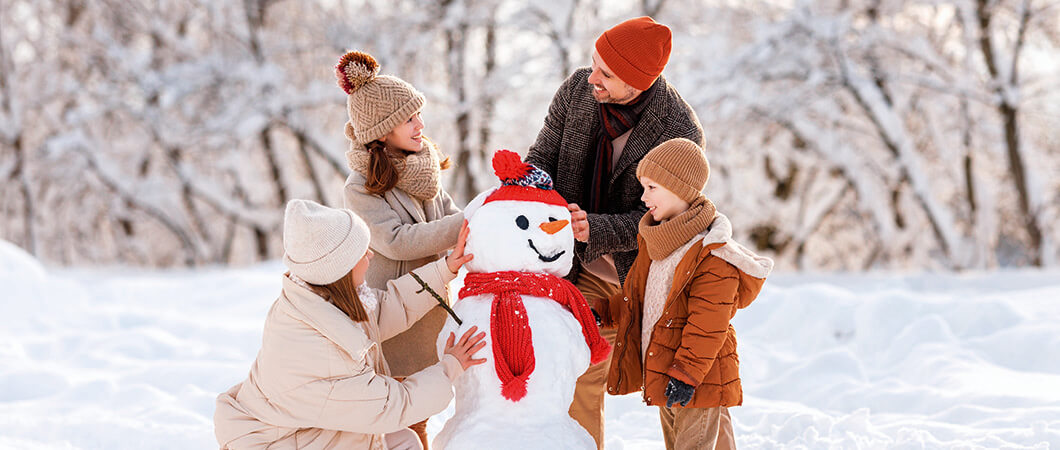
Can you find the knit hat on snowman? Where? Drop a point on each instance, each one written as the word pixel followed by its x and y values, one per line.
pixel 522 181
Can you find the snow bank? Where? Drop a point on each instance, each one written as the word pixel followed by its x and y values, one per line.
pixel 124 359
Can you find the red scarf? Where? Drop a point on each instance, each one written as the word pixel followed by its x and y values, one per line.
pixel 513 348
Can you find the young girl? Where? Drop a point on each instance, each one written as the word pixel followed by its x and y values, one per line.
pixel 394 185
pixel 319 380
pixel 674 341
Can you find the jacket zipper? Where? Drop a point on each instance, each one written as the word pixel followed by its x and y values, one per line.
pixel 644 363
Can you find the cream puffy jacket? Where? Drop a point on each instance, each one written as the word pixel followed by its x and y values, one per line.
pixel 320 380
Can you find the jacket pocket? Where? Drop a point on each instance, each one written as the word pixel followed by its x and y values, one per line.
pixel 667 332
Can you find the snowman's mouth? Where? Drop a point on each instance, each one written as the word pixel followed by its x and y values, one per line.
pixel 543 257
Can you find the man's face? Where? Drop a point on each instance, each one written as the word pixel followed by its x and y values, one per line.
pixel 607 87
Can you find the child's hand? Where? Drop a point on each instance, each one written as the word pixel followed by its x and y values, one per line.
pixel 457 258
pixel 466 348
pixel 678 391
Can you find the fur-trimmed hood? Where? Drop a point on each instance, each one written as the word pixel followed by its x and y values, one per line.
pixel 753 267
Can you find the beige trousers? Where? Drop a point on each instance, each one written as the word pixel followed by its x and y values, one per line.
pixel 588 405
pixel 691 428
pixel 726 438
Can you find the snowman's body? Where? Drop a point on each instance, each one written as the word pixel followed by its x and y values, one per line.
pixel 526 237
pixel 485 419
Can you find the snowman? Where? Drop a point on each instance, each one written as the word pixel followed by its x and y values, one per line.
pixel 541 334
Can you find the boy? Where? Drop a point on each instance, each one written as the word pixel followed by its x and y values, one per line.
pixel 674 339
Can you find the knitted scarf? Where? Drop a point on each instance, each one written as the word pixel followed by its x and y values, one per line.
pixel 419 174
pixel 615 120
pixel 513 348
pixel 663 238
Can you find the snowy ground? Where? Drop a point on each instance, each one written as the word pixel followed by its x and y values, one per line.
pixel 130 359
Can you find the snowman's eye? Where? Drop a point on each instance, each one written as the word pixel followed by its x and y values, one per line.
pixel 551 219
pixel 522 222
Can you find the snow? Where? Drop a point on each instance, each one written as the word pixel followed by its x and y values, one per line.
pixel 127 358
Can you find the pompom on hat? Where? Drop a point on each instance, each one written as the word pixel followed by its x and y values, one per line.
pixel 376 103
pixel 321 244
pixel 521 181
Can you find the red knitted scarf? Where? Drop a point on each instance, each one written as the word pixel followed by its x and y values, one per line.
pixel 513 348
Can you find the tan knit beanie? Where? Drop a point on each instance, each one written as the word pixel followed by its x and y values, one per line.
pixel 321 244
pixel 679 165
pixel 376 104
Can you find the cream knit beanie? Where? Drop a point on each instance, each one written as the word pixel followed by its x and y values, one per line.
pixel 679 165
pixel 321 244
pixel 376 104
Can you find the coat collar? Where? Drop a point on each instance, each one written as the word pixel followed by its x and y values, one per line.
pixel 647 131
pixel 717 242
pixel 325 317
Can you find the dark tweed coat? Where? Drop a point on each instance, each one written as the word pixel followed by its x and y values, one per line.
pixel 564 148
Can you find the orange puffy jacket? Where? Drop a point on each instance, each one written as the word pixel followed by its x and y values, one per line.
pixel 693 340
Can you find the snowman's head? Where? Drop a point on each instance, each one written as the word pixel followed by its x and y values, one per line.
pixel 522 226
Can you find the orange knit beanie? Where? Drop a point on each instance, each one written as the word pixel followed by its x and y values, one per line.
pixel 636 50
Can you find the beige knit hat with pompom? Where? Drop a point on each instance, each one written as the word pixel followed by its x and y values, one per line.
pixel 376 103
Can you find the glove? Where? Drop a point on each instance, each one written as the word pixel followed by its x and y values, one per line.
pixel 678 391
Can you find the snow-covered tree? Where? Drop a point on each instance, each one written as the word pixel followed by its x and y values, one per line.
pixel 842 135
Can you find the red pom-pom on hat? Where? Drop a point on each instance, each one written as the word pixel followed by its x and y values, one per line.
pixel 509 166
pixel 522 181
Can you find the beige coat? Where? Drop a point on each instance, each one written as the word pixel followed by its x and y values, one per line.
pixel 319 379
pixel 406 233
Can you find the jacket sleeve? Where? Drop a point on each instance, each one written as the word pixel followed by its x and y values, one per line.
pixel 449 208
pixel 397 240
pixel 544 153
pixel 603 308
pixel 710 303
pixel 367 402
pixel 405 300
pixel 611 233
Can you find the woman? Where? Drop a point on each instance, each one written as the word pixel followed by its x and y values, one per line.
pixel 319 380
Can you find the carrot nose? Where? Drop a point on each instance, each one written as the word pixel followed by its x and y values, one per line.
pixel 554 227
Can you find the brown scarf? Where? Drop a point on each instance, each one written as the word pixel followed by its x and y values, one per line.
pixel 419 174
pixel 663 238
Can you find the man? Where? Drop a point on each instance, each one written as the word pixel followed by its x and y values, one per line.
pixel 601 122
